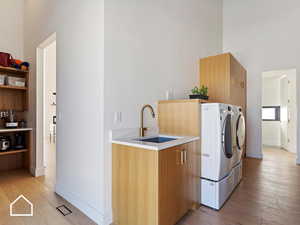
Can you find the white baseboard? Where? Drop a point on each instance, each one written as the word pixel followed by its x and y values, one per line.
pixel 85 207
pixel 37 172
pixel 254 155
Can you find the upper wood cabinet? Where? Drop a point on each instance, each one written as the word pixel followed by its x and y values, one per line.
pixel 225 78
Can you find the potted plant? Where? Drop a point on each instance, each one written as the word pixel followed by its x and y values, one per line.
pixel 199 93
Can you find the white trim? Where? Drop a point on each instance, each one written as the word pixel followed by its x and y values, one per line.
pixel 86 208
pixel 37 172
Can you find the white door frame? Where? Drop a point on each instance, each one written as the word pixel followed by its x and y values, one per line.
pixel 40 86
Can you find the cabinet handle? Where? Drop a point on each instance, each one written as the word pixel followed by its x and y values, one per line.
pixel 182 157
pixel 242 85
pixel 185 156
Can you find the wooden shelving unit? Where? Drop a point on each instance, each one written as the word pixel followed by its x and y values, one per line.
pixel 12 70
pixel 10 152
pixel 13 87
pixel 15 98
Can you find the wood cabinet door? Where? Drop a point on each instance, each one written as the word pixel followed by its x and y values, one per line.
pixel 134 185
pixel 191 175
pixel 171 185
pixel 215 74
pixel 237 83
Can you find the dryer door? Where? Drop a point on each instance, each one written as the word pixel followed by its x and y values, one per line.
pixel 240 131
pixel 227 136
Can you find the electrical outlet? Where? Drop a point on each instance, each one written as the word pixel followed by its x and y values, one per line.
pixel 59 116
pixel 117 117
pixel 120 117
pixel 169 94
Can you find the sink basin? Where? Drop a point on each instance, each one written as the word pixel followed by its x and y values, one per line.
pixel 157 139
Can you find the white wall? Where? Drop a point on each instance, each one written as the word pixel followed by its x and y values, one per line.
pixel 152 47
pixel 11 26
pixel 149 48
pixel 251 33
pixel 271 97
pixel 80 50
pixel 271 91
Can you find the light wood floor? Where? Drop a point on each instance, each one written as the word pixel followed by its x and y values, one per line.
pixel 15 183
pixel 269 194
pixel 50 170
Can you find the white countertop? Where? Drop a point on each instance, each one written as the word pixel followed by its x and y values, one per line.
pixel 5 130
pixel 133 142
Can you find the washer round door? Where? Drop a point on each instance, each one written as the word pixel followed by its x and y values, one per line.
pixel 240 131
pixel 227 136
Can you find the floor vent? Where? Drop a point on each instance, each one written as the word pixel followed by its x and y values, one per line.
pixel 64 210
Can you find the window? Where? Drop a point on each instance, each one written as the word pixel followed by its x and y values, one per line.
pixel 271 113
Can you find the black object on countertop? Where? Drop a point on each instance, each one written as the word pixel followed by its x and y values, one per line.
pixel 204 97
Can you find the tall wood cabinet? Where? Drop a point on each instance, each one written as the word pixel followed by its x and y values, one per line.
pixel 154 187
pixel 225 78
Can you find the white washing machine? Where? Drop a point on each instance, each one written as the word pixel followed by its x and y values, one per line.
pixel 239 133
pixel 220 160
pixel 217 156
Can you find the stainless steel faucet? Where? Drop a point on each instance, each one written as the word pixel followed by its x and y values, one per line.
pixel 142 128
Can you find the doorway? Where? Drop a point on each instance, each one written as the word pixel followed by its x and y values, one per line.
pixel 50 113
pixel 46 110
pixel 279 111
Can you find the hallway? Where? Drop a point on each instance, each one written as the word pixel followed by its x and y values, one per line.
pixel 269 194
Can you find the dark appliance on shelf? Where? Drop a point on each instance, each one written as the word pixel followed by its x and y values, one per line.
pixel 4 143
pixel 19 141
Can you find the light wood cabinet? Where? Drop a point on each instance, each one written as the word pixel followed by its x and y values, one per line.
pixel 172 203
pixel 154 187
pixel 14 97
pixel 225 78
pixel 180 117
